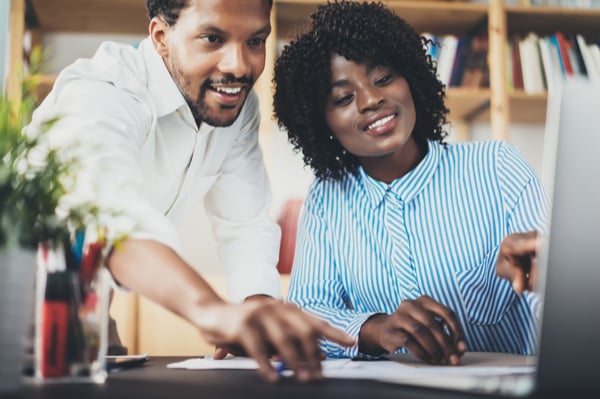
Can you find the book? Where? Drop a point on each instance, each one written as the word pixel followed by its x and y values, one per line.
pixel 432 49
pixel 595 56
pixel 531 65
pixel 446 58
pixel 478 72
pixel 553 40
pixel 577 58
pixel 593 73
pixel 463 52
pixel 510 85
pixel 552 73
pixel 563 46
pixel 516 64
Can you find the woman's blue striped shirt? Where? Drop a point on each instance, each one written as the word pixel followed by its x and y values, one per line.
pixel 364 246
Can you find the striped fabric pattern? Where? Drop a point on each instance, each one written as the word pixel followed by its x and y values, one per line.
pixel 365 246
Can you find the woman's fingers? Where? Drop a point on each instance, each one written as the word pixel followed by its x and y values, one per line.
pixel 517 260
pixel 418 323
pixel 428 329
pixel 448 324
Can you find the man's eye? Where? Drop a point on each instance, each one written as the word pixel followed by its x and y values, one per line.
pixel 256 42
pixel 212 38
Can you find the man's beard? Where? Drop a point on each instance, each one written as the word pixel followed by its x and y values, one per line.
pixel 203 113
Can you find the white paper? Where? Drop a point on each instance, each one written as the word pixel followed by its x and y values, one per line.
pixel 208 363
pixel 403 369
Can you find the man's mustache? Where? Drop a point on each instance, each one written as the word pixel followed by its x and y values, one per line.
pixel 229 79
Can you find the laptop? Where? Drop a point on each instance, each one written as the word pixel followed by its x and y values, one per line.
pixel 569 348
pixel 568 268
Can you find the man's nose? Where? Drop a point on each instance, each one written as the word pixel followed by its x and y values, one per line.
pixel 235 61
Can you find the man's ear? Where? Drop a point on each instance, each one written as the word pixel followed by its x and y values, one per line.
pixel 159 30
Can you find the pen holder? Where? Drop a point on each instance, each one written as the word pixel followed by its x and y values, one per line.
pixel 71 317
pixel 17 266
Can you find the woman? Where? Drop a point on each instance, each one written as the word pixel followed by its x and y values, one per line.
pixel 405 242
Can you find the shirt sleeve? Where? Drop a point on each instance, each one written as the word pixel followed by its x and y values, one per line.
pixel 526 201
pixel 104 127
pixel 315 284
pixel 238 206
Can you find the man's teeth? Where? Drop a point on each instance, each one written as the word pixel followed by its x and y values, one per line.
pixel 228 90
pixel 380 122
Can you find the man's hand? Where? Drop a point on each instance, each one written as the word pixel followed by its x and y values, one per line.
pixel 221 352
pixel 263 328
pixel 517 260
pixel 428 329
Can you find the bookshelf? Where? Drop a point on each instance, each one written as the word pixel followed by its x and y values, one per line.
pixel 497 104
pixel 530 108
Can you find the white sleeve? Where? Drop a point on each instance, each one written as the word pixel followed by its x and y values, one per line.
pixel 238 206
pixel 106 127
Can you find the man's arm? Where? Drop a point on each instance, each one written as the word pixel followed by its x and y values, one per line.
pixel 110 126
pixel 261 328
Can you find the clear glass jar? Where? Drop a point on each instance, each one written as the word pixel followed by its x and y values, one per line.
pixel 71 315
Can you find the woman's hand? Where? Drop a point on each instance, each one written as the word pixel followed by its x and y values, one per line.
pixel 428 329
pixel 517 260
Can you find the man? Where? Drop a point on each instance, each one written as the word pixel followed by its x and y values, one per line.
pixel 172 123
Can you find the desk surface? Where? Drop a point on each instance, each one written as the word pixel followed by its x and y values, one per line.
pixel 154 380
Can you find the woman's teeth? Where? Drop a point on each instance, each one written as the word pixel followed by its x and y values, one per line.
pixel 380 122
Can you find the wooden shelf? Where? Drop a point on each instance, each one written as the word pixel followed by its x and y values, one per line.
pixel 465 103
pixel 527 108
pixel 425 16
pixel 98 16
pixel 524 108
pixel 547 20
pixel 473 105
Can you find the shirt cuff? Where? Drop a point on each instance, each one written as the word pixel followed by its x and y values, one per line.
pixel 253 281
pixel 353 330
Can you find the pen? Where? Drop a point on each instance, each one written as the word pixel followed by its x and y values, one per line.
pixel 90 261
pixel 77 247
pixel 281 369
pixel 443 325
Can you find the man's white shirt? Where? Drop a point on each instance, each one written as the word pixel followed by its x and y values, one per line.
pixel 147 160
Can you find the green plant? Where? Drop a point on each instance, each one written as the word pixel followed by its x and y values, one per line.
pixel 33 178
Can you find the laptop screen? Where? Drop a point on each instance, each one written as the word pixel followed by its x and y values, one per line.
pixel 569 262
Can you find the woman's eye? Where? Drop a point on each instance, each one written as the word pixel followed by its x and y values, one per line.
pixel 384 80
pixel 343 100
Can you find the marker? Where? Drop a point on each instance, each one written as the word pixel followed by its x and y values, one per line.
pixel 54 322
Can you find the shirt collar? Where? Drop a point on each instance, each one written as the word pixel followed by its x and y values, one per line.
pixel 408 186
pixel 164 92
